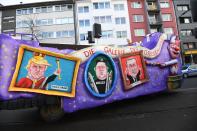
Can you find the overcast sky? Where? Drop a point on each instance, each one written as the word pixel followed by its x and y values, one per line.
pixel 13 2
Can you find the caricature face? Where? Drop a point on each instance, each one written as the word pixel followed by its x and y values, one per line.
pixel 132 67
pixel 101 70
pixel 36 70
pixel 174 49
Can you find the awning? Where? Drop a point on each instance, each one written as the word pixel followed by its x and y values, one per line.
pixel 190 52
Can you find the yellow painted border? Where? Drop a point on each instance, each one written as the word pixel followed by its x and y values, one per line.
pixel 57 93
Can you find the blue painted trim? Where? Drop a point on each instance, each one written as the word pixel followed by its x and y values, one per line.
pixel 86 75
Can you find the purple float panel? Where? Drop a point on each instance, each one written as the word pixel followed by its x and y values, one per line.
pixel 28 42
pixel 8 58
pixel 151 40
pixel 157 82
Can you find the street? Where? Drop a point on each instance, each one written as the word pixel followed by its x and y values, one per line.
pixel 175 111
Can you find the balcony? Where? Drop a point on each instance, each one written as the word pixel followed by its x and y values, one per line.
pixel 152 8
pixel 155 22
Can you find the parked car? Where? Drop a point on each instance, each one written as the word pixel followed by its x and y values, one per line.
pixel 189 70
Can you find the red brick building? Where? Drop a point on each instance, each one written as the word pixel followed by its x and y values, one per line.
pixel 148 16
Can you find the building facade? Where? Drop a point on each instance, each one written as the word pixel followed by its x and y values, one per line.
pixel 51 22
pixel 149 16
pixel 186 25
pixel 111 14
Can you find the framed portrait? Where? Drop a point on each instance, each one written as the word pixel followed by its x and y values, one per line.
pixel 133 69
pixel 42 71
pixel 100 75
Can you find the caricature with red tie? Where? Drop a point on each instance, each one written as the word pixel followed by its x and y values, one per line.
pixel 36 78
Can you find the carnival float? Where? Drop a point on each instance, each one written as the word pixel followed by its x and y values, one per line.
pixel 64 81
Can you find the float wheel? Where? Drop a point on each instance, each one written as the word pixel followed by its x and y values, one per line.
pixel 51 113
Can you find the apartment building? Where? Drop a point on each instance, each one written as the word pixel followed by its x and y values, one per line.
pixel 51 22
pixel 185 26
pixel 149 16
pixel 111 14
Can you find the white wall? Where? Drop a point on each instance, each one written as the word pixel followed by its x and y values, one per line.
pixel 50 28
pixel 112 26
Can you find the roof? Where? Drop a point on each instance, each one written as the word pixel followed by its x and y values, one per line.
pixel 46 3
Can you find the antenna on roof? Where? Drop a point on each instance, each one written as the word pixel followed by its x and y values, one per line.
pixel 21 2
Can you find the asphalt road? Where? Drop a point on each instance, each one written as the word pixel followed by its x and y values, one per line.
pixel 175 111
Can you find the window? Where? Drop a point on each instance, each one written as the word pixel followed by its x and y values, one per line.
pixel 120 20
pixel 121 34
pixel 107 5
pixel 152 19
pixel 25 23
pixel 138 18
pixel 118 7
pixel 50 21
pixel 101 5
pixel 43 9
pixel 44 22
pixel 70 20
pixel 24 11
pixel 84 23
pixel 194 67
pixel 84 9
pixel 151 5
pixel 166 17
pixel 49 8
pixel 182 7
pixel 139 32
pixel 107 34
pixel 66 7
pixel 18 12
pixel 108 19
pixel 164 4
pixel 38 22
pixel 69 7
pixel 30 11
pixel 136 5
pixel 66 20
pixel 58 21
pixel 153 30
pixel 65 33
pixel 18 24
pixel 38 10
pixel 102 19
pixel 168 30
pixel 188 45
pixel 185 20
pixel 46 35
pixel 83 37
pixel 57 8
pixel 186 32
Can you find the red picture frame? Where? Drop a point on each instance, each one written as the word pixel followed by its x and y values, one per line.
pixel 133 69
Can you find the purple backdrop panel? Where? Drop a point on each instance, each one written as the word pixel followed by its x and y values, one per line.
pixel 151 40
pixel 8 57
pixel 157 82
pixel 28 42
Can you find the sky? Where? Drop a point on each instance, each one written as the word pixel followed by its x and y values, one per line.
pixel 13 2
